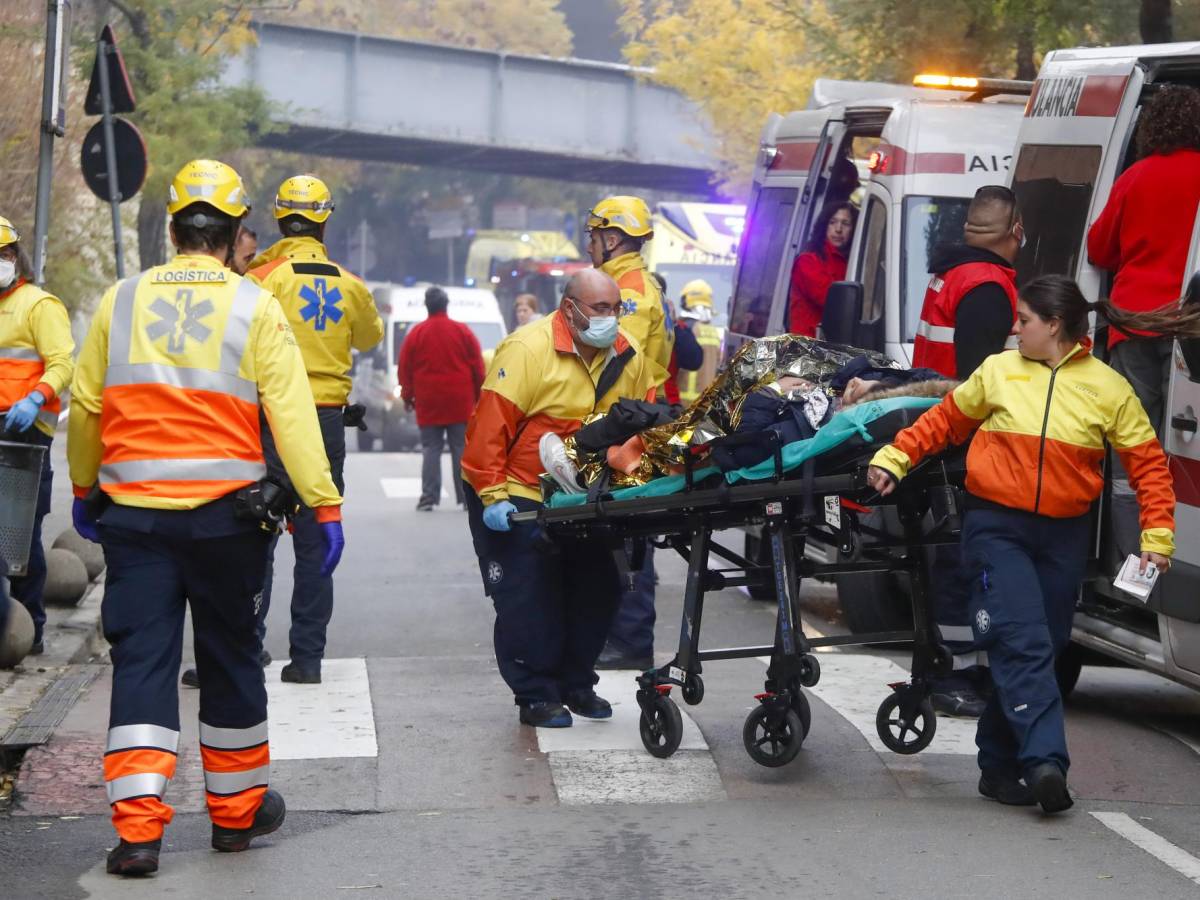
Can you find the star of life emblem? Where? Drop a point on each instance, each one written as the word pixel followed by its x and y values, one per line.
pixel 983 621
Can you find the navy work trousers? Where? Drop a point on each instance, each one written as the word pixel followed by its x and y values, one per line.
pixel 159 561
pixel 30 588
pixel 554 604
pixel 1025 572
pixel 312 594
pixel 632 631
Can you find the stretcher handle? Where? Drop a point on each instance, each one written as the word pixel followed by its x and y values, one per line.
pixel 519 517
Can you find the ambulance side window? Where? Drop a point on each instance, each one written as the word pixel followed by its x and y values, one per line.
pixel 1054 187
pixel 761 256
pixel 874 260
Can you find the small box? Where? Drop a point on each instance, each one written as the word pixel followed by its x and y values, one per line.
pixel 1135 583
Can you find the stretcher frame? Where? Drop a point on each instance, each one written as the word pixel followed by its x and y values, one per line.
pixel 821 509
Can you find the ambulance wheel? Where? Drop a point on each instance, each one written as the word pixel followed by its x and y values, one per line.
pixel 810 670
pixel 661 727
pixel 772 740
pixel 802 708
pixel 902 736
pixel 693 690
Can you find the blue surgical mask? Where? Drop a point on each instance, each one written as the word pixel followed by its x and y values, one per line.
pixel 601 330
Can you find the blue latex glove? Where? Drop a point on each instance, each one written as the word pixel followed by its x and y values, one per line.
pixel 23 413
pixel 335 543
pixel 496 516
pixel 85 524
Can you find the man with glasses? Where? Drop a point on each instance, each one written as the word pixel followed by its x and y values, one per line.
pixel 553 605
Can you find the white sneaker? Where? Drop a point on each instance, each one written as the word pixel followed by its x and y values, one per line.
pixel 554 457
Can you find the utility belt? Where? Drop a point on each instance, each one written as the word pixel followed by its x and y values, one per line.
pixel 266 502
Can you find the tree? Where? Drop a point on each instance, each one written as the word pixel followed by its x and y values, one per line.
pixel 174 56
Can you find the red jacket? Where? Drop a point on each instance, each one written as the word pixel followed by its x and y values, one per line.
pixel 441 370
pixel 1144 231
pixel 811 278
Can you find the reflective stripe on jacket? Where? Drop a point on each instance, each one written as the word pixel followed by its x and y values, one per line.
pixel 1040 440
pixel 538 383
pixel 933 347
pixel 165 411
pixel 36 350
pixel 330 309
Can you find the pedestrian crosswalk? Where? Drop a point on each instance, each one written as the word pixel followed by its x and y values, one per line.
pixel 331 722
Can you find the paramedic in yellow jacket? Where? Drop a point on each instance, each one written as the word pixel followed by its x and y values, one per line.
pixel 179 366
pixel 617 229
pixel 36 362
pixel 1039 419
pixel 331 312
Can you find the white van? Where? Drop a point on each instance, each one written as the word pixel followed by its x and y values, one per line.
pixel 375 382
pixel 1075 139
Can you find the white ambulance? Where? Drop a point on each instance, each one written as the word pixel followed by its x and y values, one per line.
pixel 1075 139
pixel 922 152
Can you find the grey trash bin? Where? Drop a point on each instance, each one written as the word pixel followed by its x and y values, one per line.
pixel 20 476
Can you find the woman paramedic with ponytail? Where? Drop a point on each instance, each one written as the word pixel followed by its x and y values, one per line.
pixel 1040 418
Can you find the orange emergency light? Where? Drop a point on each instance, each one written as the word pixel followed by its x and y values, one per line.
pixel 954 82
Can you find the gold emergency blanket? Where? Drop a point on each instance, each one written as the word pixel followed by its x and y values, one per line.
pixel 718 411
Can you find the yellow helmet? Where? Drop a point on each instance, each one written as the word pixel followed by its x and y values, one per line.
pixel 630 215
pixel 8 232
pixel 697 292
pixel 208 181
pixel 306 196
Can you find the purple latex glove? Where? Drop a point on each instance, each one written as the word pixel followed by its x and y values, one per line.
pixel 335 542
pixel 84 522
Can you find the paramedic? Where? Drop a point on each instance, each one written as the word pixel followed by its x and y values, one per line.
pixel 1041 418
pixel 553 608
pixel 821 264
pixel 1144 235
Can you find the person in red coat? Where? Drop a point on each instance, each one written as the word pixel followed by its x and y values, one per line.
pixel 441 372
pixel 821 264
pixel 1144 232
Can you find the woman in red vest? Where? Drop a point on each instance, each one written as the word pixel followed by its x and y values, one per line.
pixel 821 264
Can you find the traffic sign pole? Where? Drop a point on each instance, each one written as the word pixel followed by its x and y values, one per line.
pixel 103 49
pixel 56 19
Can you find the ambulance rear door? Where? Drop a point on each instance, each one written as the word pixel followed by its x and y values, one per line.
pixel 1071 144
pixel 1178 597
pixel 786 157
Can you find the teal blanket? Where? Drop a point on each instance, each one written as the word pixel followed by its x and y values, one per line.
pixel 837 430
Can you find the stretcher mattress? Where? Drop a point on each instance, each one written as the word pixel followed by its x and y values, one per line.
pixel 847 439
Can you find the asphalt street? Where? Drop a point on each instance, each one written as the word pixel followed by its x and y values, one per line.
pixel 407 774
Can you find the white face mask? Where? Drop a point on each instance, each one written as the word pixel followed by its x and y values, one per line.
pixel 8 272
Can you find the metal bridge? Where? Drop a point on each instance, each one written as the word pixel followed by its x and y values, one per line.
pixel 362 97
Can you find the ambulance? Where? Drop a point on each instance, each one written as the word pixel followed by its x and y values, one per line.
pixel 696 240
pixel 1075 139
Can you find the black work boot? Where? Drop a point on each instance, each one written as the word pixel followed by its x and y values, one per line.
pixel 1006 788
pixel 543 714
pixel 268 818
pixel 589 704
pixel 134 859
pixel 1049 786
pixel 296 673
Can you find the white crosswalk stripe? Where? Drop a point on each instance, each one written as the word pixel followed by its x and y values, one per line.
pixel 322 721
pixel 404 488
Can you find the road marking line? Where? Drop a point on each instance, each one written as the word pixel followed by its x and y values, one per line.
pixel 333 719
pixel 404 488
pixel 854 684
pixel 1157 846
pixel 603 761
pixel 1189 742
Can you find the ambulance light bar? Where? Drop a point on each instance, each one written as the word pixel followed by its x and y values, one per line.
pixel 980 87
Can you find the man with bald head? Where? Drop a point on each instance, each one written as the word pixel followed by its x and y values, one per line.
pixel 553 609
pixel 971 302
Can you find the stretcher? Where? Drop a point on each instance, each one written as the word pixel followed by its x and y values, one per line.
pixel 799 498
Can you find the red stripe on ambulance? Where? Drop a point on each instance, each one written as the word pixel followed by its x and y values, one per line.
pixel 794 155
pixel 1186 473
pixel 895 160
pixel 1097 96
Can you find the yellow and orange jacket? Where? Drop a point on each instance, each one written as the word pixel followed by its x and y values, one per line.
pixel 330 309
pixel 642 314
pixel 36 350
pixel 166 396
pixel 538 383
pixel 1040 440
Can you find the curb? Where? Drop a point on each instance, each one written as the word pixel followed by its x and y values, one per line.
pixel 73 635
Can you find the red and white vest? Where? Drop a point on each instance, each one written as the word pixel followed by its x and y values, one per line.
pixel 933 347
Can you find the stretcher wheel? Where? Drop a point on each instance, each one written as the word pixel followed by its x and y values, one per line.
pixel 803 710
pixel 773 738
pixel 661 727
pixel 693 690
pixel 810 670
pixel 901 736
